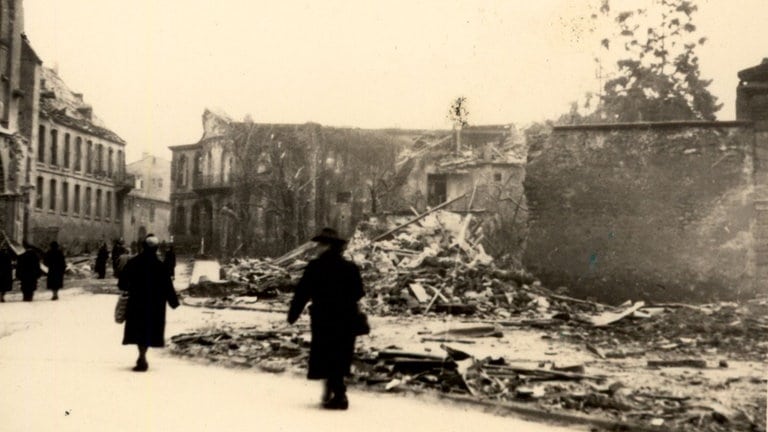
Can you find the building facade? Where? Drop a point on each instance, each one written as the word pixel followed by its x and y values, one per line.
pixel 18 90
pixel 265 188
pixel 78 174
pixel 148 205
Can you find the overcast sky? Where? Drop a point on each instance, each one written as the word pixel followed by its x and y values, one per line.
pixel 150 67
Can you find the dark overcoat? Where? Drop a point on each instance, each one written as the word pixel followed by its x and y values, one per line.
pixel 334 286
pixel 101 260
pixel 28 270
pixel 149 288
pixel 6 271
pixel 54 260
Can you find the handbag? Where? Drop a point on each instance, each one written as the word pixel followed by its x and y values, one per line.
pixel 121 307
pixel 360 326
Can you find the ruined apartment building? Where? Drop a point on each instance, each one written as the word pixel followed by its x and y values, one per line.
pixel 79 172
pixel 655 211
pixel 265 188
pixel 485 165
pixel 147 205
pixel 18 62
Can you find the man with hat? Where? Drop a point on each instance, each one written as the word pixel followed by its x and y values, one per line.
pixel 334 286
pixel 149 288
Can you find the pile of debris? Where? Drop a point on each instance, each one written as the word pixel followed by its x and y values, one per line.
pixel 546 386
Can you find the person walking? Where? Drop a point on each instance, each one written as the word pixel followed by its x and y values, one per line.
pixel 6 271
pixel 101 260
pixel 334 287
pixel 149 288
pixel 28 271
pixel 54 260
pixel 117 250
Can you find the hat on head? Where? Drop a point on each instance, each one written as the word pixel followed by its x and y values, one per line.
pixel 328 236
pixel 151 240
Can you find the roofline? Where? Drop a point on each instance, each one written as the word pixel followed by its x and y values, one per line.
pixel 184 146
pixel 657 125
pixel 83 130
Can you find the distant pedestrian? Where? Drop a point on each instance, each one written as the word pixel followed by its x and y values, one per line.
pixel 334 286
pixel 101 260
pixel 54 260
pixel 6 271
pixel 149 288
pixel 28 271
pixel 170 261
pixel 117 250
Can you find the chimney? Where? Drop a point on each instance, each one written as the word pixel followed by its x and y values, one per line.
pixel 86 112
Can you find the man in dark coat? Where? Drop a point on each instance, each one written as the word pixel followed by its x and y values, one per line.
pixel 6 271
pixel 334 286
pixel 101 260
pixel 28 271
pixel 117 250
pixel 149 287
pixel 54 260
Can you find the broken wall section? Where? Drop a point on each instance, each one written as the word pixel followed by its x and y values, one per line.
pixel 659 211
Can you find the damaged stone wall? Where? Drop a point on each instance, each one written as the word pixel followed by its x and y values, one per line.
pixel 653 211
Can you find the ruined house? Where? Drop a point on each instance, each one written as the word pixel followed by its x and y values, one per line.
pixel 655 211
pixel 246 187
pixel 485 166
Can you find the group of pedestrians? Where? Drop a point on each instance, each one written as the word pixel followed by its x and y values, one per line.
pixel 29 270
pixel 330 283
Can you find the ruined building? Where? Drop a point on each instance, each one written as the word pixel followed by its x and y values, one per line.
pixel 17 61
pixel 78 172
pixel 485 166
pixel 147 206
pixel 655 211
pixel 265 188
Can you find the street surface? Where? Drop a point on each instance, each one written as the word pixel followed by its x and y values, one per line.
pixel 63 368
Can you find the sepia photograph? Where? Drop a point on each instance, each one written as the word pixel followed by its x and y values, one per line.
pixel 341 215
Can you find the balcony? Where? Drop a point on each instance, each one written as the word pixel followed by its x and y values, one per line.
pixel 124 182
pixel 210 183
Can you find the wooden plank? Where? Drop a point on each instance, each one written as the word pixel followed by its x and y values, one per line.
pixel 417 218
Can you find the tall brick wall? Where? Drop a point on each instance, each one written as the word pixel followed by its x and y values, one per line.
pixel 655 211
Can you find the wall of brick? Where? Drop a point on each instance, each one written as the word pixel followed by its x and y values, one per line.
pixel 653 211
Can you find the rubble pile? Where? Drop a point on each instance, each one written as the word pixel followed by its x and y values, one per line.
pixel 738 329
pixel 547 385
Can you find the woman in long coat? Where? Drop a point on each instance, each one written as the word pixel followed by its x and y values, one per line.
pixel 54 260
pixel 149 287
pixel 28 271
pixel 6 271
pixel 334 286
pixel 101 260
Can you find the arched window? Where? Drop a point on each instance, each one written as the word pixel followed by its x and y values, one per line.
pixel 89 157
pixel 66 150
pixel 54 147
pixel 52 195
pixel 110 163
pixel 39 193
pixel 181 172
pixel 41 144
pixel 78 154
pixel 99 158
